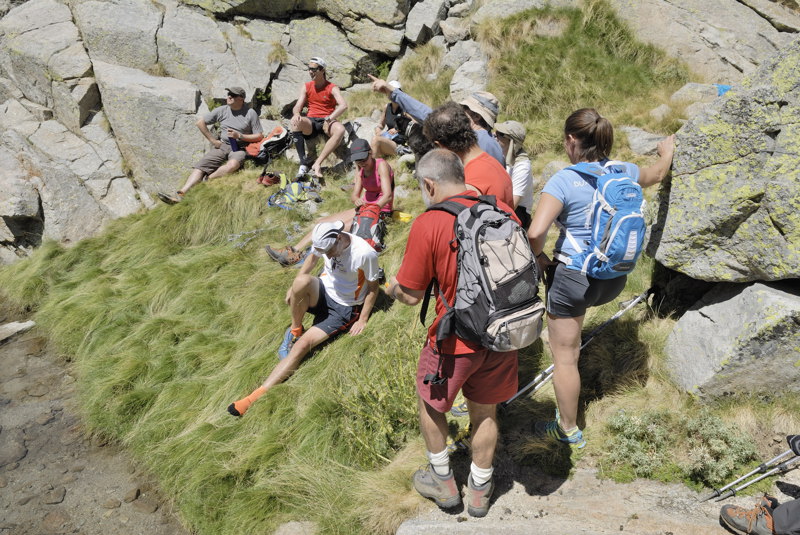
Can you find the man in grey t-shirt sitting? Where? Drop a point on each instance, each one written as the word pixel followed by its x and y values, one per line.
pixel 239 125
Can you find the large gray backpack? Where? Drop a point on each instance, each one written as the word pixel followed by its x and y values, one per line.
pixel 497 302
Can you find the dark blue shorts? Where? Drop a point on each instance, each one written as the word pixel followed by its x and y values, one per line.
pixel 570 292
pixel 331 316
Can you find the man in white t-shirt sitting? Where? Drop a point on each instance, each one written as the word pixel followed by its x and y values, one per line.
pixel 341 298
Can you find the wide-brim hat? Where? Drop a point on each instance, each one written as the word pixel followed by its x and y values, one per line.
pixel 484 104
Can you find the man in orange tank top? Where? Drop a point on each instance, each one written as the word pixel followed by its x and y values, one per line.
pixel 325 104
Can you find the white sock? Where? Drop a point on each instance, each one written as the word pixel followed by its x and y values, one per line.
pixel 480 475
pixel 440 462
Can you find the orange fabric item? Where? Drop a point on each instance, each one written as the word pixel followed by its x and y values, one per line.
pixel 320 101
pixel 491 178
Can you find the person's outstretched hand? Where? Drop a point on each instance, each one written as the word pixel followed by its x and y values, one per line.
pixel 380 86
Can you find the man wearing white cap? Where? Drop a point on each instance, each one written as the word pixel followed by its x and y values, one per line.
pixel 341 298
pixel 325 104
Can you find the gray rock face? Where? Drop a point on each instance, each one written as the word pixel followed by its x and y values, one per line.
pixel 42 53
pixel 311 37
pixel 694 92
pixel 462 52
pixel 732 212
pixel 454 29
pixel 505 8
pixel 68 210
pixel 468 78
pixel 120 31
pixel 153 119
pixel 641 141
pixel 719 39
pixel 739 340
pixel 423 20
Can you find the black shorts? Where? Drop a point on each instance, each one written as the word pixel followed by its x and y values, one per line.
pixel 332 316
pixel 570 292
pixel 317 124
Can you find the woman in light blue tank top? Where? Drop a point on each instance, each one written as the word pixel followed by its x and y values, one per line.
pixel 565 201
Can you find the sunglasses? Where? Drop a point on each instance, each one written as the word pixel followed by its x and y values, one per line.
pixel 314 69
pixel 362 160
pixel 231 95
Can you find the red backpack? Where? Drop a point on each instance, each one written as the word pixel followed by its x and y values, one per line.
pixel 367 224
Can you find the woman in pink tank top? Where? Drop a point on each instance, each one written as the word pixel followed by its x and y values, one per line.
pixel 373 177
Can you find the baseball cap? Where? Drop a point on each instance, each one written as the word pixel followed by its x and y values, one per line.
pixel 484 104
pixel 324 236
pixel 318 60
pixel 512 129
pixel 236 90
pixel 395 84
pixel 359 149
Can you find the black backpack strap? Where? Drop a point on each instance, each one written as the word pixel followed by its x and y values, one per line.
pixel 423 311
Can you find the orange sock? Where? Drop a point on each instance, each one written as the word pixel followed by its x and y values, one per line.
pixel 238 408
pixel 298 331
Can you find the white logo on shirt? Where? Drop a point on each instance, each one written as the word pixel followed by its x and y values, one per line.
pixel 579 183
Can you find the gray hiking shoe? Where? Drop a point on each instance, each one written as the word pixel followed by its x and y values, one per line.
pixel 478 497
pixel 757 521
pixel 441 489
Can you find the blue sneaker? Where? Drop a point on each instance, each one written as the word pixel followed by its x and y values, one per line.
pixel 460 410
pixel 288 341
pixel 553 430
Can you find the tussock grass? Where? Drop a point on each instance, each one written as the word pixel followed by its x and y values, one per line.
pixel 595 62
pixel 170 315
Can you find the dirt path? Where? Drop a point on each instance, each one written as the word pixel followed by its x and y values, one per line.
pixel 52 478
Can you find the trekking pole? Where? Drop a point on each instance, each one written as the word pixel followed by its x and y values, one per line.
pixel 794 444
pixel 762 468
pixel 540 380
pixel 781 468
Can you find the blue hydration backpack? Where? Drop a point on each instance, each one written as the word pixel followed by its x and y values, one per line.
pixel 616 220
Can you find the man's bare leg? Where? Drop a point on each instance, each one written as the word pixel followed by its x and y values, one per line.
pixel 230 166
pixel 195 177
pixel 337 133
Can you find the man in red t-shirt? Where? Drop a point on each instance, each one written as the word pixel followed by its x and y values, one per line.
pixel 325 104
pixel 486 377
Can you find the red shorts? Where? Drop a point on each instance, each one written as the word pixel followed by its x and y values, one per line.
pixel 486 377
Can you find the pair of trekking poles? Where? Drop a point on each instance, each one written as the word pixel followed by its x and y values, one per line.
pixel 767 469
pixel 546 375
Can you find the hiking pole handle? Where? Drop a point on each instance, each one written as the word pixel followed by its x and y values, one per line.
pixel 542 378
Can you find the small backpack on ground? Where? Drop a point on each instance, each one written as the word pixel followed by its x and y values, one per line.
pixel 369 225
pixel 616 220
pixel 497 302
pixel 273 145
pixel 292 192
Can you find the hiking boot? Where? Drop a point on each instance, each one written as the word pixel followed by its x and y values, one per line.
pixel 286 256
pixel 170 199
pixel 288 342
pixel 477 497
pixel 757 521
pixel 553 430
pixel 441 489
pixel 402 149
pixel 301 172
